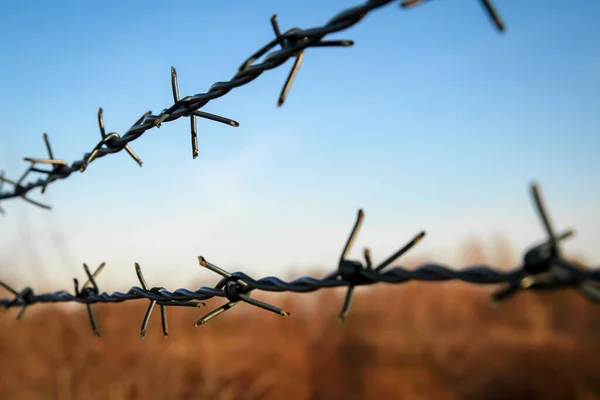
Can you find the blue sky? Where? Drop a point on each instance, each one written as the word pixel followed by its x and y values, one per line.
pixel 432 121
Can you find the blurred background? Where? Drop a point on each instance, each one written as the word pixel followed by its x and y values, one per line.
pixel 432 121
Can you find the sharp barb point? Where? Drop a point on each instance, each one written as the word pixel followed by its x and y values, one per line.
pixel 402 251
pixel 290 79
pixel 353 234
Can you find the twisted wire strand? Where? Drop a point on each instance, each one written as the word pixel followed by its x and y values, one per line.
pixel 292 44
pixel 480 275
pixel 543 268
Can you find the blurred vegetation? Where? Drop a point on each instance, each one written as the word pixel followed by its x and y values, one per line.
pixel 411 341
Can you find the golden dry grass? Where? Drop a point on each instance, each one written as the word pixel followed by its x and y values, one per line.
pixel 412 341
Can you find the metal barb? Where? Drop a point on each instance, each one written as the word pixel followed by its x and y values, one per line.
pixel 101 122
pixel 235 290
pixel 288 40
pixel 138 271
pixel 163 305
pixel 544 265
pixel 354 266
pixel 537 197
pixel 91 277
pixel 214 313
pixel 400 252
pixel 59 167
pixel 193 129
pixel 347 302
pixel 20 191
pixel 108 140
pixel 359 218
pixel 86 291
pixel 48 147
pixel 299 57
pixel 193 114
pixel 25 297
pixel 352 271
pixel 493 14
pixel 367 256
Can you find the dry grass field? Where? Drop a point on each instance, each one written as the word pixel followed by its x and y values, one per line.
pixel 412 341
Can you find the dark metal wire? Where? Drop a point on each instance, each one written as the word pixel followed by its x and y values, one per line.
pixel 292 44
pixel 543 268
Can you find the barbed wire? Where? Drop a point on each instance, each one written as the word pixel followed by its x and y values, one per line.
pixel 292 44
pixel 543 268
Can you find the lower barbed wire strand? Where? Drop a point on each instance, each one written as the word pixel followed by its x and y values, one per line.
pixel 480 275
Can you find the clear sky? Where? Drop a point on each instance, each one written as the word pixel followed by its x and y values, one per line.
pixel 432 121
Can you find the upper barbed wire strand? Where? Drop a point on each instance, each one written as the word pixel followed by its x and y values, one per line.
pixel 293 42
